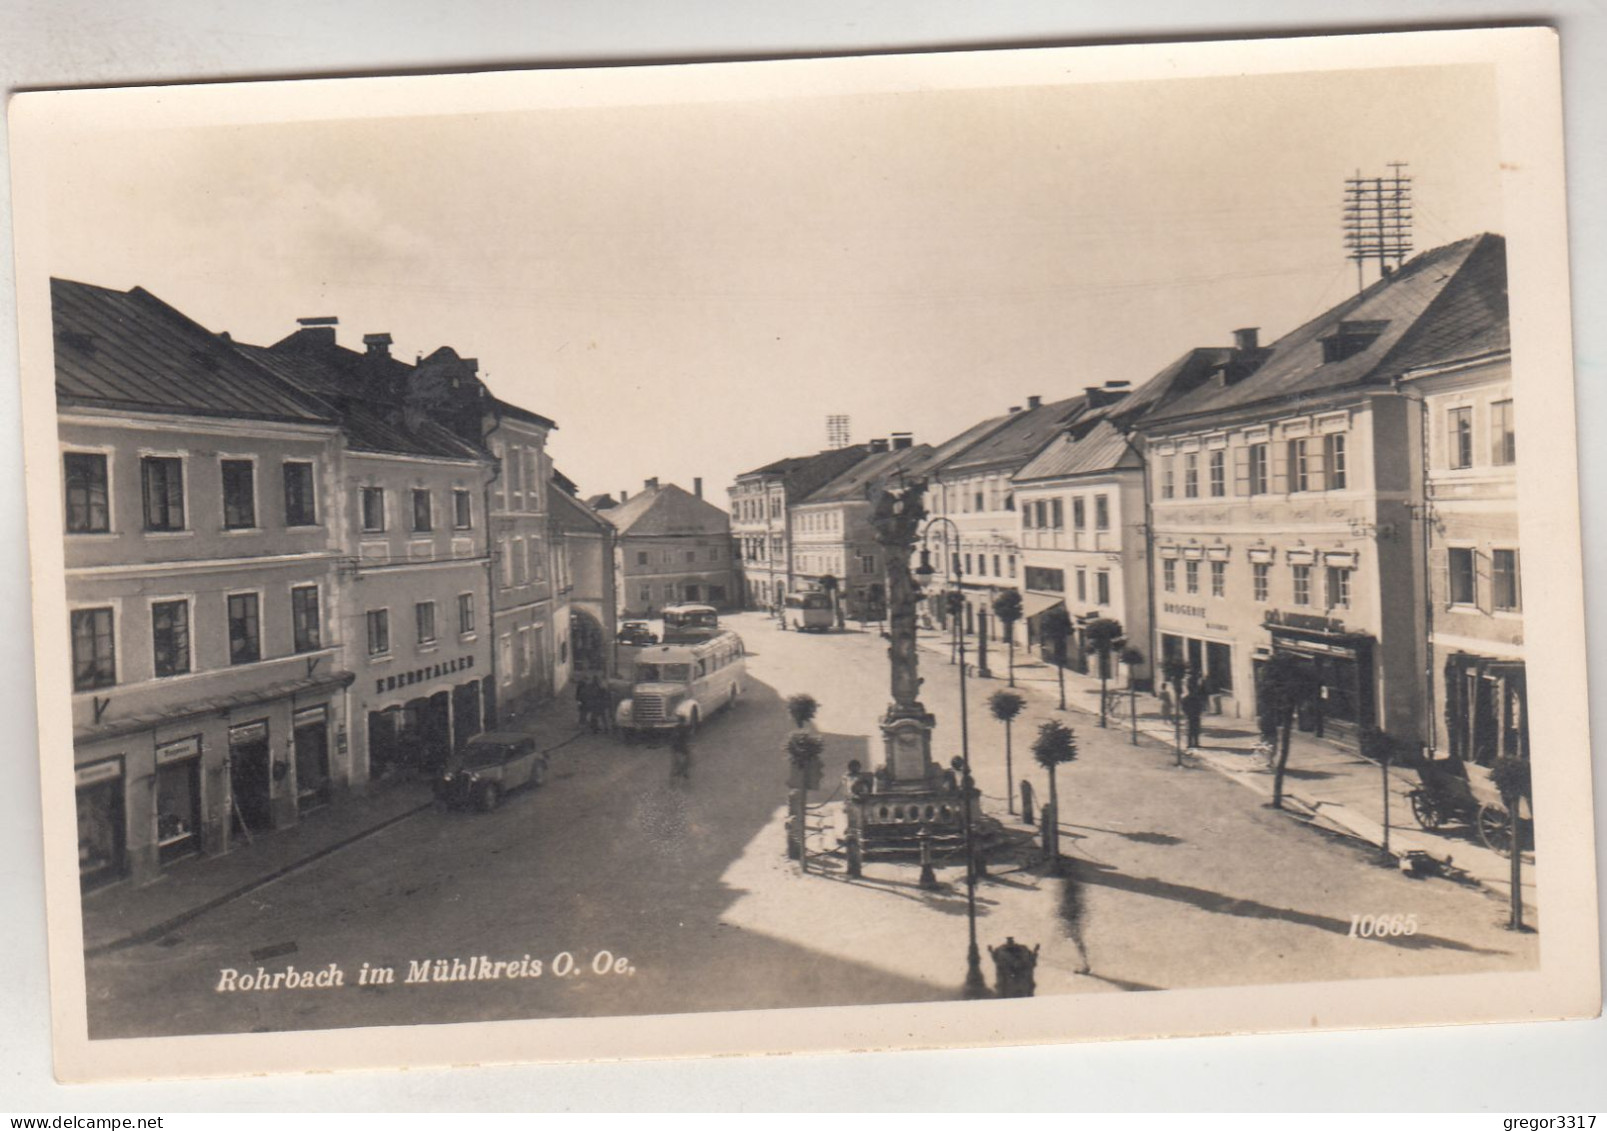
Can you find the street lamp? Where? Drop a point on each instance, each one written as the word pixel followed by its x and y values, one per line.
pixel 975 985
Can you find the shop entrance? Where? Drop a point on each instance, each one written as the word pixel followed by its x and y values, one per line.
pixel 312 758
pixel 434 729
pixel 1341 665
pixel 102 837
pixel 465 711
pixel 250 777
pixel 178 799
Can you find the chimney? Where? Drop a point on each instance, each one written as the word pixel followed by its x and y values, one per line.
pixel 321 329
pixel 878 445
pixel 1034 401
pixel 697 486
pixel 1119 386
pixel 1246 339
pixel 623 494
pixel 650 484
pixel 902 440
pixel 378 345
pixel 1015 408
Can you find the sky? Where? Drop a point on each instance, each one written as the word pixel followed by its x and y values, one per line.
pixel 690 289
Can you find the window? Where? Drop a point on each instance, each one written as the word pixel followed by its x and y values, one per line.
pixel 1299 469
pixel 691 556
pixel 1258 469
pixel 1507 595
pixel 968 563
pixel 1101 512
pixel 379 632
pixel 87 509
pixel 306 626
pixel 1459 436
pixel 94 651
pixel 996 572
pixel 1191 475
pixel 1219 579
pixel 462 510
pixel 424 616
pixel 1010 562
pixel 1503 440
pixel 1191 576
pixel 714 553
pixel 1302 584
pixel 1046 580
pixel 1079 514
pixel 301 508
pixel 423 514
pixel 1333 458
pixel 465 613
pixel 373 509
pixel 1102 587
pixel 170 637
pixel 1338 588
pixel 1459 562
pixel 641 557
pixel 163 480
pixel 245 629
pixel 1219 473
pixel 1057 513
pixel 1082 584
pixel 867 563
pixel 646 595
pixel 978 507
pixel 1168 479
pixel 1169 574
pixel 1029 512
pixel 1260 575
pixel 239 494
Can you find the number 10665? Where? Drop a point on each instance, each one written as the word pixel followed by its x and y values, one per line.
pixel 1382 926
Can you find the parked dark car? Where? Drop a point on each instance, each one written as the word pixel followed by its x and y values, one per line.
pixel 488 766
pixel 636 632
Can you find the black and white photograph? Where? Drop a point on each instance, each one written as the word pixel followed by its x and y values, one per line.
pixel 785 556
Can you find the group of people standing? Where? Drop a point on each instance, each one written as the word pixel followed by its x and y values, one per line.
pixel 596 704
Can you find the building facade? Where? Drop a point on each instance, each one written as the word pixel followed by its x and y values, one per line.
pixel 587 540
pixel 671 547
pixel 201 519
pixel 761 520
pixel 1477 692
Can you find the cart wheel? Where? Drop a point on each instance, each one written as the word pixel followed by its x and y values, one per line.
pixel 1494 830
pixel 1423 809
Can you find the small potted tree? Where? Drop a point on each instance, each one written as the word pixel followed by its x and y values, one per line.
pixel 1006 705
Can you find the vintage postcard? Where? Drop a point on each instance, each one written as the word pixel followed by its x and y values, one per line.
pixel 925 550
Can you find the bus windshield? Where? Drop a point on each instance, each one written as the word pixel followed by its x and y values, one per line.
pixel 663 673
pixel 691 618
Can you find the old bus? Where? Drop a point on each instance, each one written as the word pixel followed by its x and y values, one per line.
pixel 688 624
pixel 678 685
pixel 810 611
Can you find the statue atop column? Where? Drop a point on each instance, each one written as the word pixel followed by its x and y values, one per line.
pixel 896 516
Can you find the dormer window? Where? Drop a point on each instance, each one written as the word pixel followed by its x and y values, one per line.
pixel 1350 339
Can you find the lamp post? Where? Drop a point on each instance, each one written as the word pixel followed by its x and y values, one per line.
pixel 975 984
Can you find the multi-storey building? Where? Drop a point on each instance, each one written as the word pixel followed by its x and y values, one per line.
pixel 761 502
pixel 1282 495
pixel 415 568
pixel 671 547
pixel 1477 697
pixel 832 535
pixel 588 543
pixel 202 517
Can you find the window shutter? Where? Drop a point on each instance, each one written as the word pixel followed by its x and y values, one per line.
pixel 1316 464
pixel 1280 468
pixel 1241 471
pixel 1483 581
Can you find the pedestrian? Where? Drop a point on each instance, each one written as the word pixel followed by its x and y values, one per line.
pixel 582 700
pixel 1193 708
pixel 591 706
pixel 681 754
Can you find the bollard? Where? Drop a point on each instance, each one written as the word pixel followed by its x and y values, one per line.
pixel 928 881
pixel 1051 835
pixel 1026 803
pixel 851 845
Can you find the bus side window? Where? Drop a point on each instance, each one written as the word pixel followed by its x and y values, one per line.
pixel 702 668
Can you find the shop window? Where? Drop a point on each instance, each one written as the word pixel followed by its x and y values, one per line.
pixel 162 478
pixel 1459 436
pixel 178 800
pixel 301 507
pixel 245 629
pixel 88 510
pixel 239 494
pixel 1302 585
pixel 94 649
pixel 101 836
pixel 373 500
pixel 1506 595
pixel 305 625
pixel 170 637
pixel 1459 562
pixel 1219 666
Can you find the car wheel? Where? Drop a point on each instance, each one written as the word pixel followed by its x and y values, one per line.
pixel 486 796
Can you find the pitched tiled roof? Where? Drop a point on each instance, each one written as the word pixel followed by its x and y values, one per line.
pixel 1021 436
pixel 1102 448
pixel 1445 303
pixel 130 350
pixel 850 485
pixel 570 513
pixel 667 510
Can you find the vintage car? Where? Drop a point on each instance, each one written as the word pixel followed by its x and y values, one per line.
pixel 636 632
pixel 489 765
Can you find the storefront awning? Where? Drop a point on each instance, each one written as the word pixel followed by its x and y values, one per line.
pixel 1032 604
pixel 215 705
